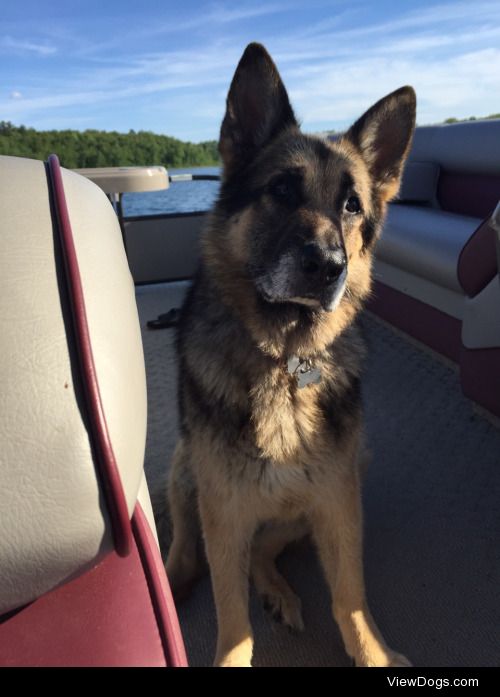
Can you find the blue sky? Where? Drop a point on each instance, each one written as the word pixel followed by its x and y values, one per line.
pixel 166 66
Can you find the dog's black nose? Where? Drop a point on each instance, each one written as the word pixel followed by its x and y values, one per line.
pixel 322 262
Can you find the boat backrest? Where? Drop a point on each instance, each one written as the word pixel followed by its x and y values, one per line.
pixel 73 408
pixel 467 156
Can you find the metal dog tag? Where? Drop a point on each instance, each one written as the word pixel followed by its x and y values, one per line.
pixel 304 371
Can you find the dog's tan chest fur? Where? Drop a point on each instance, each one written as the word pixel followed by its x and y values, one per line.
pixel 282 417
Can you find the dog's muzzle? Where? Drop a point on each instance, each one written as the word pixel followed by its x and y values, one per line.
pixel 324 272
pixel 321 265
pixel 309 275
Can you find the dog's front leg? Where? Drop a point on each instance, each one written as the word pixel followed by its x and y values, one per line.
pixel 337 528
pixel 228 536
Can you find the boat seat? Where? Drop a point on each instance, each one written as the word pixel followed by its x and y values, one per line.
pixel 81 577
pixel 436 270
pixel 426 241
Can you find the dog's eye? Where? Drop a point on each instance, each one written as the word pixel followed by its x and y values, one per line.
pixel 352 205
pixel 281 189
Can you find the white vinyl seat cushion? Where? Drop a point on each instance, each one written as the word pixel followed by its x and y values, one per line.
pixel 54 517
pixel 426 242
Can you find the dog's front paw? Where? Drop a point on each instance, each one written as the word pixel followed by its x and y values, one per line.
pixel 229 663
pixel 397 660
pixel 239 656
pixel 389 659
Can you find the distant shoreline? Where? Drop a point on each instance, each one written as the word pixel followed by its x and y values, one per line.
pixel 93 148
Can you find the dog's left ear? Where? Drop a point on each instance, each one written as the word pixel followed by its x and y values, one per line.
pixel 258 108
pixel 383 136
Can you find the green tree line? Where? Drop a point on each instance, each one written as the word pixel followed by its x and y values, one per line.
pixel 452 119
pixel 92 148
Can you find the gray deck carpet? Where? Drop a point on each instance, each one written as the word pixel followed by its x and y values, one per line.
pixel 432 523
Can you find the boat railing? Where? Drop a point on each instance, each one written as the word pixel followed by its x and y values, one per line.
pixel 188 177
pixel 117 181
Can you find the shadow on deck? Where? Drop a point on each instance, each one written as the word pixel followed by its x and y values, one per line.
pixel 431 497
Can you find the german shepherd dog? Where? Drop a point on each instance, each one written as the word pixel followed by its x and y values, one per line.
pixel 270 358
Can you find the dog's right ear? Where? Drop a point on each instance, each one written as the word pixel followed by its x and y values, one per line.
pixel 257 109
pixel 383 136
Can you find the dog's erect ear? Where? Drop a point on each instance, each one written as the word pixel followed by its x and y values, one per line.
pixel 258 108
pixel 383 135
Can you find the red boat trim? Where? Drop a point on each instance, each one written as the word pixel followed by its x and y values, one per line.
pixel 468 194
pixel 159 589
pixel 427 324
pixel 480 376
pixel 110 476
pixel 477 263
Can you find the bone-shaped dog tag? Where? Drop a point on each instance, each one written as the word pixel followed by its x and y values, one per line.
pixel 293 364
pixel 310 376
pixel 304 371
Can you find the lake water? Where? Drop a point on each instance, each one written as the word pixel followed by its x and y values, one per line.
pixel 180 197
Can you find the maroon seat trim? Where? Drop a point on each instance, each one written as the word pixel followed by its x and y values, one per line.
pixel 159 589
pixel 108 470
pixel 105 617
pixel 477 263
pixel 427 324
pixel 480 376
pixel 468 194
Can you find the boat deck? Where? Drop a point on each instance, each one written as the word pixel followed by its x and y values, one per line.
pixel 431 501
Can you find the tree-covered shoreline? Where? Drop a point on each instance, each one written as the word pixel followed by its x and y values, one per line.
pixel 448 122
pixel 93 148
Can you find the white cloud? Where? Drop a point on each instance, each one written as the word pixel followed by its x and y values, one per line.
pixel 211 18
pixel 16 95
pixel 8 44
pixel 334 76
pixel 447 51
pixel 463 85
pixel 221 14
